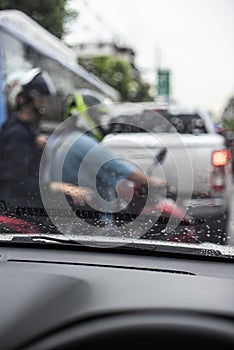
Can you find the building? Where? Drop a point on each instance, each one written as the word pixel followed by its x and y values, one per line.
pixel 90 50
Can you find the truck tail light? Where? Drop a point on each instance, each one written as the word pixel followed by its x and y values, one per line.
pixel 220 158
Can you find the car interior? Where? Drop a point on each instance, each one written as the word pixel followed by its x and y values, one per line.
pixel 76 298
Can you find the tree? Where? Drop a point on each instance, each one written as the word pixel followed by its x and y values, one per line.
pixel 53 15
pixel 120 74
pixel 227 117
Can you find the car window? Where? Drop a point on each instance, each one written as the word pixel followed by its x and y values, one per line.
pixel 91 100
pixel 100 142
pixel 116 174
pixel 162 121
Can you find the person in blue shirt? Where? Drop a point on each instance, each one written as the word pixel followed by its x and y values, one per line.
pixel 77 162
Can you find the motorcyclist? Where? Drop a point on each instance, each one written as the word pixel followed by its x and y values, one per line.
pixel 28 93
pixel 89 115
pixel 70 148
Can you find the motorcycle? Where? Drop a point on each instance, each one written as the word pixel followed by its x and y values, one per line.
pixel 170 221
pixel 16 225
pixel 136 205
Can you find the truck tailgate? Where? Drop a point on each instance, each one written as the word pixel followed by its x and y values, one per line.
pixel 187 165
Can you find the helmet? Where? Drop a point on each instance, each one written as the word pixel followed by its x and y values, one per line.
pixel 73 105
pixel 82 99
pixel 30 83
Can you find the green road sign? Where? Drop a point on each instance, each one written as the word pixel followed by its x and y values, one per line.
pixel 163 87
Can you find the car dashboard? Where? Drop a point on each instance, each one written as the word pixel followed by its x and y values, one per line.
pixel 59 298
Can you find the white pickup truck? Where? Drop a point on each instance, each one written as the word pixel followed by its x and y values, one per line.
pixel 197 166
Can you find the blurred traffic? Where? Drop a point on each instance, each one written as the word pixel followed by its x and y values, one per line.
pixel 88 105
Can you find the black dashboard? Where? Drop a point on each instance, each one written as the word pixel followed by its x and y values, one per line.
pixel 77 299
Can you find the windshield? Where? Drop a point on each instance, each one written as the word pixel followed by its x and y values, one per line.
pixel 117 125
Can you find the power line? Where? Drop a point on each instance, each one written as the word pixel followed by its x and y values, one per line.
pixel 99 19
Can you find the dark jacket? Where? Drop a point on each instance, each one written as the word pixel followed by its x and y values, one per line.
pixel 20 163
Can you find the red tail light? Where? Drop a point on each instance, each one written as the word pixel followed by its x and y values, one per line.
pixel 220 158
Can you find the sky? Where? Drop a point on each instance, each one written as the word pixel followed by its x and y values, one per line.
pixel 194 39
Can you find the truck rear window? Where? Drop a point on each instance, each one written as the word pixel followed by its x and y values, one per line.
pixel 151 121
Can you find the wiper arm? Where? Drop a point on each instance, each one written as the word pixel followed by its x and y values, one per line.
pixel 27 238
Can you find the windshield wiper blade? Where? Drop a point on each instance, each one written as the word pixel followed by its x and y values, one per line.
pixel 157 246
pixel 200 250
pixel 125 245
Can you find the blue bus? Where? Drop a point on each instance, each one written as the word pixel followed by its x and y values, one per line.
pixel 25 44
